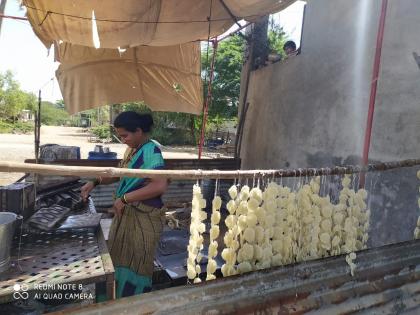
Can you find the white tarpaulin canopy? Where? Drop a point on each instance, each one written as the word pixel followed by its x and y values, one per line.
pixel 166 76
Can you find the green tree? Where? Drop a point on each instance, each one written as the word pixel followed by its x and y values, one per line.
pixel 227 73
pixel 51 115
pixel 227 77
pixel 276 38
pixel 12 99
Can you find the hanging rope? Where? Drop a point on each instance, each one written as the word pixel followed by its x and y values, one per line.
pixel 49 13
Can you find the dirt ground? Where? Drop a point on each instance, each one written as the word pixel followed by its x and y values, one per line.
pixel 17 148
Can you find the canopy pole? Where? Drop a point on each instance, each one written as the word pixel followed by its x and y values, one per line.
pixel 200 174
pixel 373 87
pixel 37 127
pixel 208 99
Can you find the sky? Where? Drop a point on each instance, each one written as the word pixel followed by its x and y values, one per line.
pixel 34 67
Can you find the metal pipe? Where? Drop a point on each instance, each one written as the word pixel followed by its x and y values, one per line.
pixel 234 32
pixel 37 127
pixel 13 17
pixel 374 84
pixel 208 99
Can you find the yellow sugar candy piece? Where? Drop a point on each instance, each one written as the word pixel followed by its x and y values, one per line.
pixel 338 218
pixel 233 192
pixel 327 211
pixel 201 228
pixel 231 206
pixel 253 204
pixel 244 194
pixel 224 270
pixel 213 249
pixel 346 181
pixel 227 253
pixel 217 202
pixel 230 221
pixel 276 260
pixel 242 222
pixel 326 225
pixel 325 238
pixel 277 246
pixel 247 251
pixel 271 205
pixel 259 234
pixel 258 252
pixel 191 274
pixel 210 277
pixel 202 203
pixel 211 266
pixel 335 241
pixel 256 193
pixel 215 217
pixel 196 189
pixel 235 244
pixel 203 215
pixel 417 233
pixel 251 220
pixel 249 235
pixel 260 213
pixel 244 267
pixel 214 232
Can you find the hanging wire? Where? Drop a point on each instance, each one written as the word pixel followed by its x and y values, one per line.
pixel 216 187
pixel 49 13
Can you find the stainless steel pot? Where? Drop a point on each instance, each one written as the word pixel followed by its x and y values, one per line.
pixel 7 230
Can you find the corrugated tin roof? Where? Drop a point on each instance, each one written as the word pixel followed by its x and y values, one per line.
pixel 386 282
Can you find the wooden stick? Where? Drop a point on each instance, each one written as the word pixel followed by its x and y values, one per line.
pixel 197 174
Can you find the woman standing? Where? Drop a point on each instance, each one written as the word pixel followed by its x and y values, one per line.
pixel 138 221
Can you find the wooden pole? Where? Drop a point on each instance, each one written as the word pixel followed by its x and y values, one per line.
pixel 2 8
pixel 197 174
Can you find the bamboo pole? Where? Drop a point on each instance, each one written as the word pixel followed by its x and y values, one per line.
pixel 197 174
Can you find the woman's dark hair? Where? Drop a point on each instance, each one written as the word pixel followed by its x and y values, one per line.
pixel 130 121
pixel 289 44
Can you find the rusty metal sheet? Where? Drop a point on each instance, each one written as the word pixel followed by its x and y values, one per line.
pixel 387 281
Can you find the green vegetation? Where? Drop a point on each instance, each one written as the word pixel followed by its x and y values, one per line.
pixel 17 127
pixel 102 132
pixel 12 101
pixel 52 115
pixel 276 38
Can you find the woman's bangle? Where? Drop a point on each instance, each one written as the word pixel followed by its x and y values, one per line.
pixel 124 200
pixel 97 181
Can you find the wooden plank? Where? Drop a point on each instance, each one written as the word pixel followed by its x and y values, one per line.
pixel 108 266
